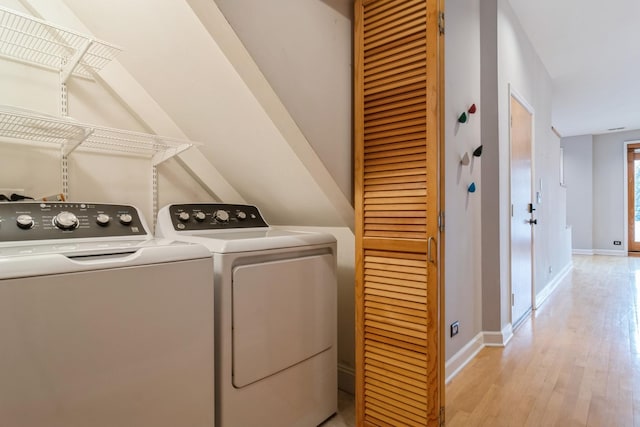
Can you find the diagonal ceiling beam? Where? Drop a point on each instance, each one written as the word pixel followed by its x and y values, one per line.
pixel 225 37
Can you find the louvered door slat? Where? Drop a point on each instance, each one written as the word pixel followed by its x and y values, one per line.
pixel 394 12
pixel 398 404
pixel 397 195
pixel 392 103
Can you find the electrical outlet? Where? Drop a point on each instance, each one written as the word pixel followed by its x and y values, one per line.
pixel 455 328
pixel 617 242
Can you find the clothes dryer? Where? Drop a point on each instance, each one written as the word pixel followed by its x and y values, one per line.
pixel 275 314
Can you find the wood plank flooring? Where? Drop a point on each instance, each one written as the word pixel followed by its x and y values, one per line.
pixel 575 362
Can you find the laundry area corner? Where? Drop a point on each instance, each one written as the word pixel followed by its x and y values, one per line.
pixel 140 171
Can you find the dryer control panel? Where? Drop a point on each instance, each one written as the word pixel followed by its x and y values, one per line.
pixel 214 216
pixel 22 221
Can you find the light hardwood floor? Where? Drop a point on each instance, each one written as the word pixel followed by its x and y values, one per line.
pixel 575 362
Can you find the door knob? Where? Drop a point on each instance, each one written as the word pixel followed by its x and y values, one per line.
pixel 533 221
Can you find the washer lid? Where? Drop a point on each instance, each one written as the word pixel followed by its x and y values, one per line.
pixel 256 240
pixel 48 259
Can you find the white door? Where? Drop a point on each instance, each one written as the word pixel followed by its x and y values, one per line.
pixel 521 211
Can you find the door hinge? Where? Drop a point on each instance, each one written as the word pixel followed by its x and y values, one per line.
pixel 441 22
pixel 441 222
pixel 513 300
pixel 441 416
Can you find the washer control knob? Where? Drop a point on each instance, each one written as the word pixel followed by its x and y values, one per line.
pixel 184 216
pixel 66 220
pixel 24 221
pixel 200 216
pixel 241 215
pixel 103 219
pixel 125 219
pixel 221 215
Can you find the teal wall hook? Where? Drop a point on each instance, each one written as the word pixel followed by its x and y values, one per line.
pixel 472 188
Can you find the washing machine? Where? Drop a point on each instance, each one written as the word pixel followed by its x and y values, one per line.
pixel 101 324
pixel 275 314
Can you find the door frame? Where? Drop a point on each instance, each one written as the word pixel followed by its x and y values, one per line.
pixel 625 147
pixel 523 101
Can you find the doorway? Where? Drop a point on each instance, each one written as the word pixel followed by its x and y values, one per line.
pixel 522 208
pixel 633 197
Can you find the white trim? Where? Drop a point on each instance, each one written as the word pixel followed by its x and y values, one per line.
pixel 551 286
pixel 610 252
pixel 458 361
pixel 466 354
pixel 346 378
pixel 582 252
pixel 499 339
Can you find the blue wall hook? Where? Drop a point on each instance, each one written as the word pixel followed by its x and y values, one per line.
pixel 472 188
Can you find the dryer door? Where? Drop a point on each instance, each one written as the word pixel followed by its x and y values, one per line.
pixel 283 313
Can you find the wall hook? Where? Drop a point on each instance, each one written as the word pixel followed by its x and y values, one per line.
pixel 477 152
pixel 472 188
pixel 465 159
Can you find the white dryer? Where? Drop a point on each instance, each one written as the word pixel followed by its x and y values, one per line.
pixel 100 324
pixel 275 314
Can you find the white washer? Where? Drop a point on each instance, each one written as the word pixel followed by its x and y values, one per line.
pixel 275 314
pixel 100 324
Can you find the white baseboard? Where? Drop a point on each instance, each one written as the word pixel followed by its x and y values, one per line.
pixel 459 360
pixel 542 296
pixel 346 378
pixel 582 251
pixel 610 252
pixel 499 339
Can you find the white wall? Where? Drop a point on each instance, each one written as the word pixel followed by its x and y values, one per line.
pixel 608 189
pixel 519 67
pixel 304 49
pixel 463 272
pixel 188 59
pixel 578 176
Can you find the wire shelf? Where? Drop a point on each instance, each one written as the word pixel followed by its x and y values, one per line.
pixel 32 40
pixel 29 126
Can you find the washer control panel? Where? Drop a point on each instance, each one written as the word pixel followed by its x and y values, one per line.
pixel 22 221
pixel 214 216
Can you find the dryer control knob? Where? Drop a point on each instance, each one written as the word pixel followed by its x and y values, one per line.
pixel 241 215
pixel 66 220
pixel 24 221
pixel 125 219
pixel 221 215
pixel 103 219
pixel 184 216
pixel 200 216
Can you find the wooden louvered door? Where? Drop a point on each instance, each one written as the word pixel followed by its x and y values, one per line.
pixel 397 198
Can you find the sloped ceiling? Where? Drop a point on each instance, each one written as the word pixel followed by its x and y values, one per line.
pixel 175 59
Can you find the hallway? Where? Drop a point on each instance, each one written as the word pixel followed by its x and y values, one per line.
pixel 575 362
